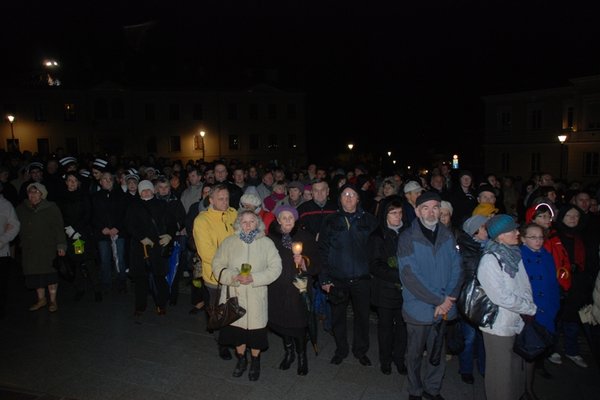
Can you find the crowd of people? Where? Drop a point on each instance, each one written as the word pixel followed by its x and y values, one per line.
pixel 280 240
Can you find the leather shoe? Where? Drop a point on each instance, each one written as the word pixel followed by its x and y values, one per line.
pixel 337 360
pixel 224 353
pixel 432 397
pixel 402 369
pixel 364 360
pixel 467 378
pixel 386 369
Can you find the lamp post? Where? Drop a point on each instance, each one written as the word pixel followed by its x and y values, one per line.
pixel 11 120
pixel 350 147
pixel 562 139
pixel 202 133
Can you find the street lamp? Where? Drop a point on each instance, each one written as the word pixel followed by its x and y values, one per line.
pixel 562 139
pixel 350 146
pixel 389 153
pixel 202 133
pixel 11 119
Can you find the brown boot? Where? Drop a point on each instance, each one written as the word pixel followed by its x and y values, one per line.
pixel 40 304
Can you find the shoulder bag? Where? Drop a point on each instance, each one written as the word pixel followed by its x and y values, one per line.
pixel 474 304
pixel 221 315
pixel 533 341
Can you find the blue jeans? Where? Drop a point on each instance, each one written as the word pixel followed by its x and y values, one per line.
pixel 473 342
pixel 571 332
pixel 105 250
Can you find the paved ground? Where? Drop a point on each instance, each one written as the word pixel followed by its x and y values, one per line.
pixel 89 351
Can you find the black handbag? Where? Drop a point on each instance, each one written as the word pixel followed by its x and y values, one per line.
pixel 533 341
pixel 475 305
pixel 221 315
pixel 64 267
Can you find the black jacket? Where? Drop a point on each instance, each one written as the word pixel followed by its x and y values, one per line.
pixel 108 211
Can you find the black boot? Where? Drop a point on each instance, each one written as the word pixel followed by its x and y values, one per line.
pixel 254 372
pixel 242 364
pixel 301 350
pixel 289 357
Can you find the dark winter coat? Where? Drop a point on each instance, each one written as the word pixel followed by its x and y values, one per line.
pixel 286 306
pixel 42 235
pixel 140 225
pixel 343 245
pixel 108 211
pixel 386 288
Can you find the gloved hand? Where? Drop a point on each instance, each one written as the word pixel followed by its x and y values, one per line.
pixel 76 235
pixel 69 231
pixel 301 284
pixel 147 242
pixel 164 239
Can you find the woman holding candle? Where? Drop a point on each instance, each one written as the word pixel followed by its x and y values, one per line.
pixel 287 310
pixel 248 245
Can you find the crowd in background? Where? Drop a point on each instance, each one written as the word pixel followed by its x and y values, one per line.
pixel 383 241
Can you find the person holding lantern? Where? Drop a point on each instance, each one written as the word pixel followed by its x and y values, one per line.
pixel 76 208
pixel 300 264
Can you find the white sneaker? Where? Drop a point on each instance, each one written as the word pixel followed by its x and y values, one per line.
pixel 555 358
pixel 578 360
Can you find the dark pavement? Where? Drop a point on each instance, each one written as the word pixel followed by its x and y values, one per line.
pixel 90 351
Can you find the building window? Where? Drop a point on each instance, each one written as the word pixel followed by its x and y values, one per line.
pixel 253 111
pixel 197 112
pixel 234 142
pixel 175 143
pixel 536 120
pixel 149 111
pixel 570 117
pixel 505 162
pixel 69 112
pixel 272 143
pixel 151 144
pixel 100 108
pixel 272 111
pixel 72 145
pixel 174 112
pixel 590 166
pixel 535 162
pixel 43 146
pixel 291 111
pixel 292 141
pixel 254 141
pixel 505 121
pixel 232 111
pixel 39 113
pixel 117 108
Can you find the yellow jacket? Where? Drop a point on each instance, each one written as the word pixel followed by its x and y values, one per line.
pixel 211 227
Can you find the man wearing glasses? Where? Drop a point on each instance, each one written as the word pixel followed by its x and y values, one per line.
pixel 345 278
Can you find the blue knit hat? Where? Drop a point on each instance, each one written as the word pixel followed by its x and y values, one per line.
pixel 500 224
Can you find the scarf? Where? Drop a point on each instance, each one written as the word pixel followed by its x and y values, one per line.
pixel 248 237
pixel 286 240
pixel 509 256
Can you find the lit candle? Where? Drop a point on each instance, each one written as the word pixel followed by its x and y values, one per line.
pixel 297 248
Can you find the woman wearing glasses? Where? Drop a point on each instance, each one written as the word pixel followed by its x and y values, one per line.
pixel 540 268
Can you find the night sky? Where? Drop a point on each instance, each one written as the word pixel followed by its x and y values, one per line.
pixel 414 71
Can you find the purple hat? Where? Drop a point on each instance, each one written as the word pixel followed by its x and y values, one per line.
pixel 284 207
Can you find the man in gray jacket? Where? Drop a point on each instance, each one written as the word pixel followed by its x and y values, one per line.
pixel 430 270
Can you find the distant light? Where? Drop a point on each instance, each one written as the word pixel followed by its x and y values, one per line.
pixel 202 133
pixel 50 63
pixel 350 146
pixel 408 167
pixel 394 162
pixel 389 153
pixel 455 161
pixel 10 118
pixel 562 138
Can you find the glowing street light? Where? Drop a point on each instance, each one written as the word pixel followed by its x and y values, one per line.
pixel 350 146
pixel 562 139
pixel 11 120
pixel 389 153
pixel 50 66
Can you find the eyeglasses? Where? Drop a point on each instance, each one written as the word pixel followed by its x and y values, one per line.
pixel 349 194
pixel 534 237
